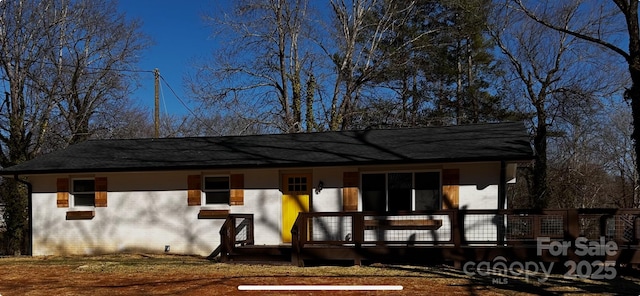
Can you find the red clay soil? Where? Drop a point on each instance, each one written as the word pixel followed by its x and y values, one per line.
pixel 63 280
pixel 29 277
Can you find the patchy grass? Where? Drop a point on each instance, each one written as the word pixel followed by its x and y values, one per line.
pixel 136 274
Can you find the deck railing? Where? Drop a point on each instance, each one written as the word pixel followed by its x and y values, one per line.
pixel 466 227
pixel 237 230
pixel 456 235
pixel 458 229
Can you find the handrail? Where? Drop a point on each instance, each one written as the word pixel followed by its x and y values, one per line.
pixel 297 243
pixel 229 231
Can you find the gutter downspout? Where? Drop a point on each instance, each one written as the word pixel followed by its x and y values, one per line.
pixel 30 208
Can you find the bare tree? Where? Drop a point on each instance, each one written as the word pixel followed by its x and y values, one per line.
pixel 58 59
pixel 121 119
pixel 263 65
pixel 361 27
pixel 94 44
pixel 578 177
pixel 550 75
pixel 25 111
pixel 609 25
pixel 616 151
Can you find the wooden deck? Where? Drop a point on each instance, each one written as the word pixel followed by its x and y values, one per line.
pixel 446 236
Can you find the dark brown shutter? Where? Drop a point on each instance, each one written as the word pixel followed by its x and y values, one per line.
pixel 450 188
pixel 236 197
pixel 194 191
pixel 62 187
pixel 101 192
pixel 350 184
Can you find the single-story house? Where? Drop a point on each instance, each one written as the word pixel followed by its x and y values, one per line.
pixel 173 194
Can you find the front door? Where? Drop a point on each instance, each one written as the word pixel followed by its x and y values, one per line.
pixel 296 190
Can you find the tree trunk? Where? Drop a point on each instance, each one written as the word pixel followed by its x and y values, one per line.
pixel 633 94
pixel 15 217
pixel 311 90
pixel 538 192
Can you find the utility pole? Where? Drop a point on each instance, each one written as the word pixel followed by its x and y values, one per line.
pixel 156 112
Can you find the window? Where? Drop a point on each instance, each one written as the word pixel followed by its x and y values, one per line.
pixel 83 191
pixel 216 190
pixel 427 191
pixel 374 192
pixel 297 185
pixel 401 191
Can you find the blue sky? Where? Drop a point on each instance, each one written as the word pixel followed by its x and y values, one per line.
pixel 180 35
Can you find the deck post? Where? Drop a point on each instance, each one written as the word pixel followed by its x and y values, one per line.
pixel 227 237
pixel 358 229
pixel 250 233
pixel 457 232
pixel 573 224
pixel 573 231
pixel 502 186
pixel 298 239
pixel 358 237
pixel 502 201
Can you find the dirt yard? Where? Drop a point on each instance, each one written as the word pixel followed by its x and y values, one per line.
pixel 140 274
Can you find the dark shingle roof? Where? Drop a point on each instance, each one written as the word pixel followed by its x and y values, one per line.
pixel 503 141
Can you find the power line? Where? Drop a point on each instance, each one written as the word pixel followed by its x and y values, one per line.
pixel 124 70
pixel 184 104
pixel 85 66
pixel 177 96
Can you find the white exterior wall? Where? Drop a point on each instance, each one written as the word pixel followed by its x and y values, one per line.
pixel 263 199
pixel 147 211
pixel 329 199
pixel 479 186
pixel 479 191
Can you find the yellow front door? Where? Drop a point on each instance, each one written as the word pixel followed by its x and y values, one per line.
pixel 296 189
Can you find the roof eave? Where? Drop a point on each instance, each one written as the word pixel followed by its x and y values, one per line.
pixel 12 173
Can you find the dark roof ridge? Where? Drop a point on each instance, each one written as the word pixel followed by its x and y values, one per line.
pixel 310 133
